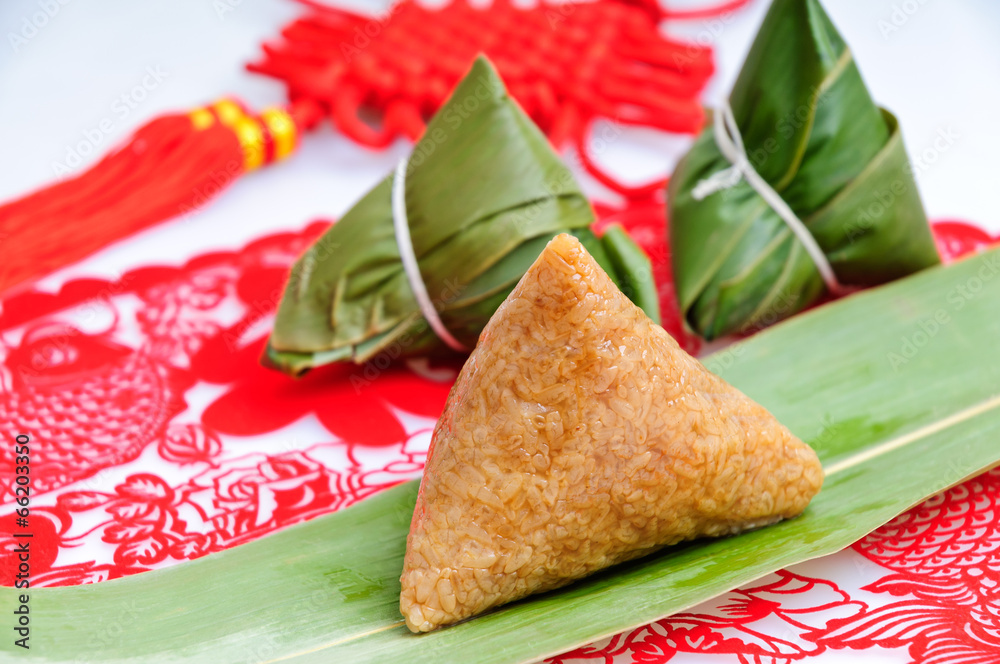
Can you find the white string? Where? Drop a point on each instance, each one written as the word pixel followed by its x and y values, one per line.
pixel 409 258
pixel 730 142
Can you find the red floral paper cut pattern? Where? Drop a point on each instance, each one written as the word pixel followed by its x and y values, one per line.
pixel 86 401
pixel 134 464
pixel 955 239
pixel 944 558
pixel 354 403
pixel 766 622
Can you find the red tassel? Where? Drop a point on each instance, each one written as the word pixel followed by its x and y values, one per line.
pixel 170 166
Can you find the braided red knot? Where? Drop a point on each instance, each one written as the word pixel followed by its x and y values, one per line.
pixel 567 64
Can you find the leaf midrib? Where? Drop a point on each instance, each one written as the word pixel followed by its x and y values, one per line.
pixel 831 77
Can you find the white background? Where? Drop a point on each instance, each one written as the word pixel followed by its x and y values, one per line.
pixel 935 63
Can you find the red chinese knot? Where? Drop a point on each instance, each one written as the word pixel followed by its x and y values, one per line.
pixel 567 64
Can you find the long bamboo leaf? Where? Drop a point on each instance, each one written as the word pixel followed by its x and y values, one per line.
pixel 897 389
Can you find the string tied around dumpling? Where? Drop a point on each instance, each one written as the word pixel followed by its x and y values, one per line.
pixel 730 143
pixel 401 225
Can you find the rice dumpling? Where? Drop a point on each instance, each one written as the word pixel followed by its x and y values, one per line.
pixel 811 131
pixel 579 435
pixel 482 193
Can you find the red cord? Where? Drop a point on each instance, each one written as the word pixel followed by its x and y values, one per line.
pixel 644 191
pixel 706 12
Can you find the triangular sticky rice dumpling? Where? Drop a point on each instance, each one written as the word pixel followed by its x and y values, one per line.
pixel 580 435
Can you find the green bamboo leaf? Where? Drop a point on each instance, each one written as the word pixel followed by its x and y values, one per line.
pixel 484 193
pixel 631 269
pixel 895 388
pixel 813 132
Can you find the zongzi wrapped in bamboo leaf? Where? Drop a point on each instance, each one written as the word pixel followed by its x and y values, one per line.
pixel 580 435
pixel 810 130
pixel 483 192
